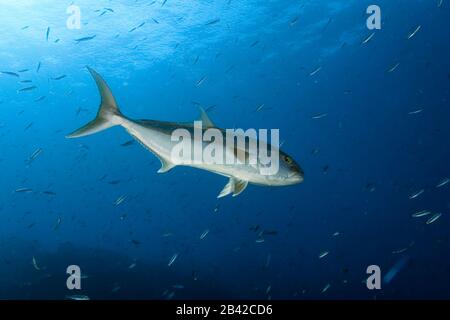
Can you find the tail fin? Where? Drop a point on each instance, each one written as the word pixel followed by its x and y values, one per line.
pixel 108 113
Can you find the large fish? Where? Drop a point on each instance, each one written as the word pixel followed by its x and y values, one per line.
pixel 157 137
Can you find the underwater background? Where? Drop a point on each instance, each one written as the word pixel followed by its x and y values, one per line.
pixel 364 112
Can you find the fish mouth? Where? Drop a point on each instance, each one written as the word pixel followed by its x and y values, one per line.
pixel 295 177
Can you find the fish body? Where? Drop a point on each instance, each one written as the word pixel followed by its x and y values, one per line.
pixel 157 137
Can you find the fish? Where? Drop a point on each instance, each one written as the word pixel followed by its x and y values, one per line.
pixel 23 190
pixel 415 111
pixel 320 116
pixel 293 22
pixel 59 77
pixel 9 73
pixel 434 218
pixel 47 33
pixel 23 70
pixel 25 27
pixel 34 155
pixel 199 82
pixel 155 21
pixel 120 200
pixel 211 22
pixel 40 98
pixel 26 81
pixel 392 69
pixel 325 289
pixel 132 266
pixel 78 297
pixel 416 194
pixel 422 213
pixel 27 89
pixel 85 38
pixel 172 260
pixel 398 266
pixel 35 265
pixel 203 235
pixel 368 38
pixel 49 193
pixel 38 66
pixel 139 26
pixel 58 222
pixel 157 137
pixel 315 71
pixel 323 254
pixel 443 183
pixel 128 143
pixel 412 34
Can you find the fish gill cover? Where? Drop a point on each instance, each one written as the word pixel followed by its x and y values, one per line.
pixel 364 112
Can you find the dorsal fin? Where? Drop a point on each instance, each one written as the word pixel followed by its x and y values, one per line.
pixel 207 123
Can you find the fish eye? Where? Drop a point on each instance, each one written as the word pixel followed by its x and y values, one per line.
pixel 287 159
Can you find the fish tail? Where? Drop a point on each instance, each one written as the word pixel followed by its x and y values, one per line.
pixel 108 114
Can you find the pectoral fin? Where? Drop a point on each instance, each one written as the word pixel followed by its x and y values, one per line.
pixel 234 186
pixel 165 165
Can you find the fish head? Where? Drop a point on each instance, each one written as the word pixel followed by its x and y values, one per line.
pixel 289 172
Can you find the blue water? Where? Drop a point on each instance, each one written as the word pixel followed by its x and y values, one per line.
pixel 362 160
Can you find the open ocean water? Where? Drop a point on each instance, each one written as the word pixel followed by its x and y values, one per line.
pixel 364 112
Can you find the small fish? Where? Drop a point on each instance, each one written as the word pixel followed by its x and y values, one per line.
pixel 155 21
pixel 260 107
pixel 293 22
pixel 172 260
pixel 38 67
pixel 120 200
pixel 211 22
pixel 337 233
pixel 50 193
pixel 128 143
pixel 27 89
pixel 254 44
pixel 23 190
pixel 326 288
pixel 315 71
pixel 443 183
pixel 416 194
pixel 113 182
pixel 164 2
pixel 35 265
pixel 47 33
pixel 139 26
pixel 203 235
pixel 132 266
pixel 392 69
pixel 40 99
pixel 400 250
pixel 323 254
pixel 412 34
pixel 415 111
pixel 135 242
pixel 320 116
pixel 34 155
pixel 85 38
pixel 23 70
pixel 199 82
pixel 434 218
pixel 59 77
pixel 26 27
pixel 368 38
pixel 58 222
pixel 26 81
pixel 178 286
pixel 29 126
pixel 78 297
pixel 422 213
pixel 259 240
pixel 10 73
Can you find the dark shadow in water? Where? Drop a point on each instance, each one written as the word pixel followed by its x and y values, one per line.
pixel 109 275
